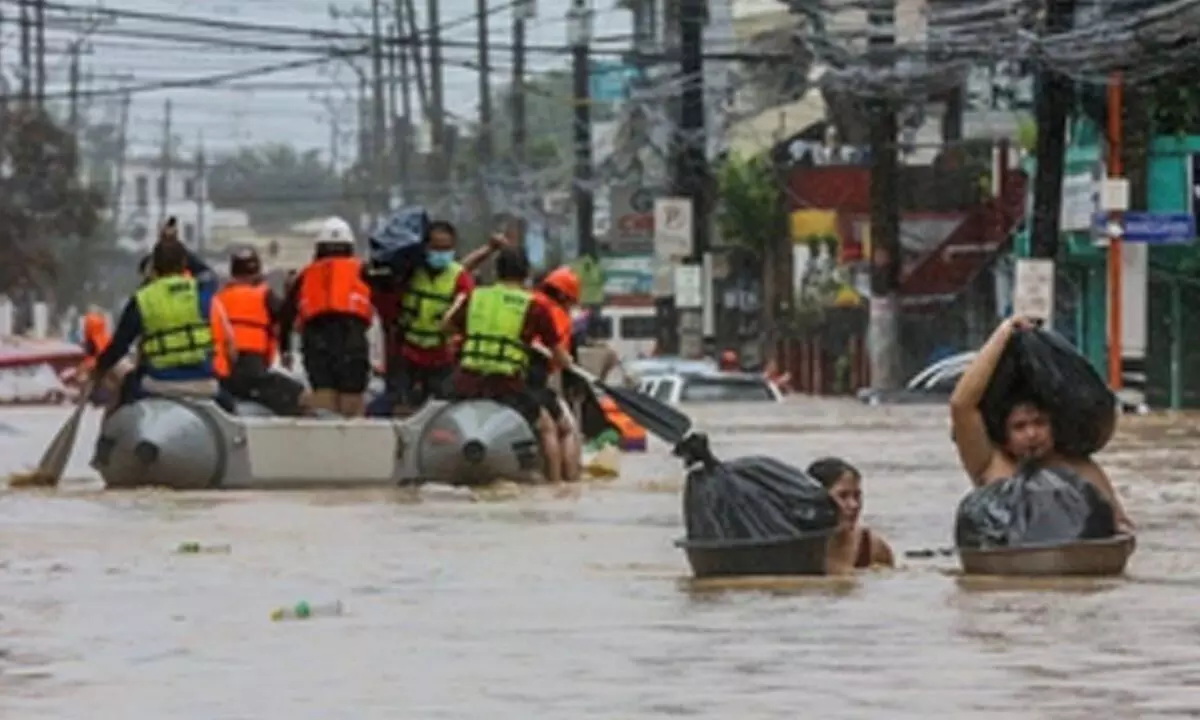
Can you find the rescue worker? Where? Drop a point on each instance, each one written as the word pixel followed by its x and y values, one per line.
pixel 253 311
pixel 558 291
pixel 171 319
pixel 96 337
pixel 499 324
pixel 729 362
pixel 331 304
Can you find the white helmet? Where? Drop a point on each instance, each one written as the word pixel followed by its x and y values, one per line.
pixel 335 231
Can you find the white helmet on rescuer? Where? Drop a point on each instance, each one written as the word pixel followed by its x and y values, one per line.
pixel 335 231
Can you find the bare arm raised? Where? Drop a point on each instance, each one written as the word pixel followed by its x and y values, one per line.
pixel 975 449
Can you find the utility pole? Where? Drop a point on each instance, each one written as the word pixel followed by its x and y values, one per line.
pixel 26 55
pixel 1116 294
pixel 414 43
pixel 522 12
pixel 404 136
pixel 485 85
pixel 73 112
pixel 164 180
pixel 399 137
pixel 378 125
pixel 122 149
pixel 439 158
pixel 883 328
pixel 201 191
pixel 691 162
pixel 580 19
pixel 40 25
pixel 1053 100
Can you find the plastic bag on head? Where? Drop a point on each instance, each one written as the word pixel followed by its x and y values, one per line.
pixel 395 246
pixel 755 498
pixel 1036 506
pixel 1040 366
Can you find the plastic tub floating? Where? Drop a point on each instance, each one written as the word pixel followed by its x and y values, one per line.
pixel 802 555
pixel 1085 558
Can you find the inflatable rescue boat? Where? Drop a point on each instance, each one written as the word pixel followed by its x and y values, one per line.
pixel 195 445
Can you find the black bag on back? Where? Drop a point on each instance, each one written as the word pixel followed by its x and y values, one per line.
pixel 1041 366
pixel 1036 506
pixel 754 498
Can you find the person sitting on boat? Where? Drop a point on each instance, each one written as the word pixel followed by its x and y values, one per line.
pixel 171 319
pixel 253 311
pixel 420 355
pixel 196 267
pixel 499 324
pixel 331 303
pixel 558 291
pixel 1029 433
pixel 96 337
pixel 853 545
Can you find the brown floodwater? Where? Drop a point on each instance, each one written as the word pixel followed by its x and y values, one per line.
pixel 575 604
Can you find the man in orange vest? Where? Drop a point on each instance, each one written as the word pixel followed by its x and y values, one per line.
pixel 253 312
pixel 331 304
pixel 558 292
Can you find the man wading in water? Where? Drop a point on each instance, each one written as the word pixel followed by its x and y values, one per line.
pixel 1028 431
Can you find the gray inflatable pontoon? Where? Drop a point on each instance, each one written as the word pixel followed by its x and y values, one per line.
pixel 195 445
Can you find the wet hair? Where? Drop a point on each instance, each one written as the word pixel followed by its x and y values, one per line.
pixel 444 225
pixel 511 264
pixel 169 257
pixel 829 470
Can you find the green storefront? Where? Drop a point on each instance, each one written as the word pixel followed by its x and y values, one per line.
pixel 1173 277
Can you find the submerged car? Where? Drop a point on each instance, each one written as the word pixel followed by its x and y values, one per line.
pixel 932 385
pixel 708 387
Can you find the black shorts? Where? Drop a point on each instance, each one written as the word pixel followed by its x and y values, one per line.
pixel 548 399
pixel 412 385
pixel 254 381
pixel 336 353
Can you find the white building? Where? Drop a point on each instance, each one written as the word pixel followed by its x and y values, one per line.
pixel 147 196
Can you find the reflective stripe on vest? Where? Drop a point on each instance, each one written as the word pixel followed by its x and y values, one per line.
pixel 246 307
pixel 425 303
pixel 175 330
pixel 495 319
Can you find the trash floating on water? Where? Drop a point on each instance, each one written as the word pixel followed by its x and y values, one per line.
pixel 925 553
pixel 303 610
pixel 195 548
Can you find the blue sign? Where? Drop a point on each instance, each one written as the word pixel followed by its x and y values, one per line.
pixel 1154 228
pixel 609 81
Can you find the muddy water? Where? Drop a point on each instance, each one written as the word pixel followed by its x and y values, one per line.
pixel 574 606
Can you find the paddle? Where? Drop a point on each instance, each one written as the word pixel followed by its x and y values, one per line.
pixel 54 461
pixel 659 418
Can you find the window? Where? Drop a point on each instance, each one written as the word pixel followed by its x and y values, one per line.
pixel 189 189
pixel 944 382
pixel 601 328
pixel 161 190
pixel 189 233
pixel 726 390
pixel 639 327
pixel 141 189
pixel 662 391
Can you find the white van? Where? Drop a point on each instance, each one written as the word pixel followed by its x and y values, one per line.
pixel 631 331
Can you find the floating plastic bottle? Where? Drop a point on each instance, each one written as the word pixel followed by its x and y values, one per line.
pixel 195 548
pixel 303 610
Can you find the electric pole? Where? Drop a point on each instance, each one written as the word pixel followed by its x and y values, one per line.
pixel 26 55
pixel 73 112
pixel 40 25
pixel 122 150
pixel 883 328
pixel 485 86
pixel 522 11
pixel 439 158
pixel 379 194
pixel 399 138
pixel 201 192
pixel 404 136
pixel 414 43
pixel 580 18
pixel 164 180
pixel 1053 100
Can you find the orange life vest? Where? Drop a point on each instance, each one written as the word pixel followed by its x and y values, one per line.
pixel 562 321
pixel 246 307
pixel 334 285
pixel 95 336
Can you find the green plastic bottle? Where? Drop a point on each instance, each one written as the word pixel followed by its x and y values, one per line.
pixel 304 610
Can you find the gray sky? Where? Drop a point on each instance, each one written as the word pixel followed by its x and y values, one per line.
pixel 265 111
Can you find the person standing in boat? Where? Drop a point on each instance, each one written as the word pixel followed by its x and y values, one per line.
pixel 558 291
pixel 1029 435
pixel 499 324
pixel 331 303
pixel 171 319
pixel 253 309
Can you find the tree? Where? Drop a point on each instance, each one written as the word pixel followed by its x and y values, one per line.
pixel 748 211
pixel 276 184
pixel 49 221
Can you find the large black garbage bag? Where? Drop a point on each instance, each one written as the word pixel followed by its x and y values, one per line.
pixel 1041 366
pixel 394 248
pixel 754 498
pixel 1036 506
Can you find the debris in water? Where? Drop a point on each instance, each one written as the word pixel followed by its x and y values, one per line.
pixel 195 548
pixel 303 610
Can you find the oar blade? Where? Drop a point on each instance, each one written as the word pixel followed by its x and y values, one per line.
pixel 659 418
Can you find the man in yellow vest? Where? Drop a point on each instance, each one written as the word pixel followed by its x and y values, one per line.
pixel 499 324
pixel 170 318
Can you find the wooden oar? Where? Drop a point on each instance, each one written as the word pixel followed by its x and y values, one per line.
pixel 54 461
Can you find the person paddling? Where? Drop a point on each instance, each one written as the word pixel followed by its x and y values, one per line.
pixel 1029 434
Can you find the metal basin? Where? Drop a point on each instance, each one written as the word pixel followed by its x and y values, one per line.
pixel 802 555
pixel 1087 558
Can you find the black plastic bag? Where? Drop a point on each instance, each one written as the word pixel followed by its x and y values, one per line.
pixel 394 248
pixel 754 498
pixel 1041 366
pixel 1036 506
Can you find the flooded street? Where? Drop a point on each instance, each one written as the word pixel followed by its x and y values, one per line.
pixel 576 605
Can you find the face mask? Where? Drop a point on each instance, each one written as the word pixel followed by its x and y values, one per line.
pixel 439 259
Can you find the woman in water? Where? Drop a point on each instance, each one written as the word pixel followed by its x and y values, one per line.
pixel 853 545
